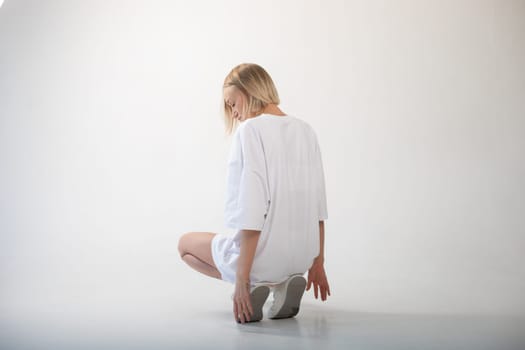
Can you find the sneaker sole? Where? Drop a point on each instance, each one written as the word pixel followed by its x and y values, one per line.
pixel 292 301
pixel 258 297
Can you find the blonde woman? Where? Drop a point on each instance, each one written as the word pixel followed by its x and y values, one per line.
pixel 276 202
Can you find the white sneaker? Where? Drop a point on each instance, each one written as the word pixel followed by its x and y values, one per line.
pixel 287 297
pixel 258 296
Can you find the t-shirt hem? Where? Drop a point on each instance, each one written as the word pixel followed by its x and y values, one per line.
pixel 215 258
pixel 246 227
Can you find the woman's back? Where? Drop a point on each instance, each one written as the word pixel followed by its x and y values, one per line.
pixel 276 185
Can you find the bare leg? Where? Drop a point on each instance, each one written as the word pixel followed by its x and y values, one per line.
pixel 201 266
pixel 195 250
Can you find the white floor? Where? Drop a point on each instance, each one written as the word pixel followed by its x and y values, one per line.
pixel 316 327
pixel 148 304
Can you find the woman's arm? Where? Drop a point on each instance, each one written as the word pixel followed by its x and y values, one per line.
pixel 249 239
pixel 316 273
pixel 321 243
pixel 242 306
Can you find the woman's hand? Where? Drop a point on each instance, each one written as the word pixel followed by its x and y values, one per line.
pixel 317 276
pixel 242 305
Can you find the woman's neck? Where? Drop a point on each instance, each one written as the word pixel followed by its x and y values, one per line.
pixel 273 109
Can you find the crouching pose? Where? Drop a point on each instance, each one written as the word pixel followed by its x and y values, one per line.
pixel 276 202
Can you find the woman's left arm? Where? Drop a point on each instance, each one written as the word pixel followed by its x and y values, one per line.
pixel 242 307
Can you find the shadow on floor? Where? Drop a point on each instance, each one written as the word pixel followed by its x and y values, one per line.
pixel 318 325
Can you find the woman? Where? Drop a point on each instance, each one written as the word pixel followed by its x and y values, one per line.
pixel 276 202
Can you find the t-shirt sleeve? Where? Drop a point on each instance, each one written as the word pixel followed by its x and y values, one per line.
pixel 321 188
pixel 247 195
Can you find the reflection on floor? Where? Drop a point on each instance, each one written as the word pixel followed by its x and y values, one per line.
pixel 156 302
pixel 201 326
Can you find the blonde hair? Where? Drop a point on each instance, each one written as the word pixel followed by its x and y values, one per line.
pixel 257 87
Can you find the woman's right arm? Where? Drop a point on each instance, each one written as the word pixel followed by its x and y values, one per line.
pixel 316 273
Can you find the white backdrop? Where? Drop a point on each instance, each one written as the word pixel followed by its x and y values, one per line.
pixel 112 146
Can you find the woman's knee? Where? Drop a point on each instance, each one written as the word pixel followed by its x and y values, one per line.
pixel 184 242
pixel 197 244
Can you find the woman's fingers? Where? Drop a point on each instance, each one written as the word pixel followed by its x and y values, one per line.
pixel 250 308
pixel 242 310
pixel 320 284
pixel 243 316
pixel 235 312
pixel 311 279
pixel 246 309
pixel 323 293
pixel 240 313
pixel 246 314
pixel 247 306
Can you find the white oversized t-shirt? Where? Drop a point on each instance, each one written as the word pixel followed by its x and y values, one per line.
pixel 275 184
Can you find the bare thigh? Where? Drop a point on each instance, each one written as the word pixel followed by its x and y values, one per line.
pixel 197 244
